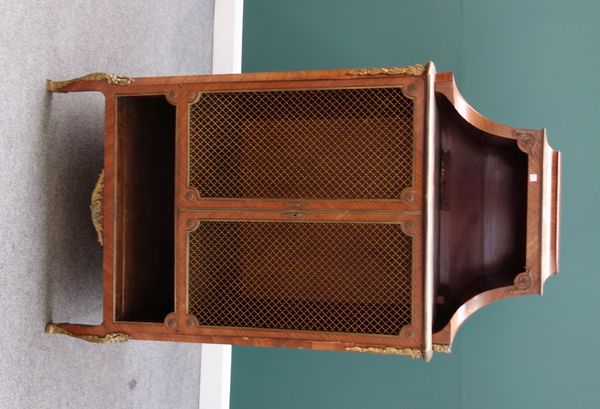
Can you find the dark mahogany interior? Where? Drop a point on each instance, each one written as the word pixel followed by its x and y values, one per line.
pixel 145 186
pixel 482 212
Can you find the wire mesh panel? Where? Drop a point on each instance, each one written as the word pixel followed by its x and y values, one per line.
pixel 336 277
pixel 352 143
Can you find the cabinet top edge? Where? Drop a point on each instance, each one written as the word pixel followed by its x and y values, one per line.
pixel 336 74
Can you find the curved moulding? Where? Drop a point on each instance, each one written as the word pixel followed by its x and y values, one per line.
pixel 498 210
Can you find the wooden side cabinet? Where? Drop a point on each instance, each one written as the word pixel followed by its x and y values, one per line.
pixel 367 210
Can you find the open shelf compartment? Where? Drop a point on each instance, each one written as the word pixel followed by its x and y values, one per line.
pixel 482 212
pixel 145 186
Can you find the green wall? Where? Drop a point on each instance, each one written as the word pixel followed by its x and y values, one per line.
pixel 524 63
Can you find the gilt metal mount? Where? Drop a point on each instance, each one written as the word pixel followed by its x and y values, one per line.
pixel 96 207
pixel 110 338
pixel 112 79
pixel 417 69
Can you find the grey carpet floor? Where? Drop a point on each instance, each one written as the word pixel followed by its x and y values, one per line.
pixel 50 156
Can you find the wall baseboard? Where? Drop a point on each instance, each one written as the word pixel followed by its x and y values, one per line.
pixel 215 376
pixel 227 36
pixel 215 364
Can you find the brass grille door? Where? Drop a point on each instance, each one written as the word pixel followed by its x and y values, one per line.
pixel 299 224
pixel 335 277
pixel 302 144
